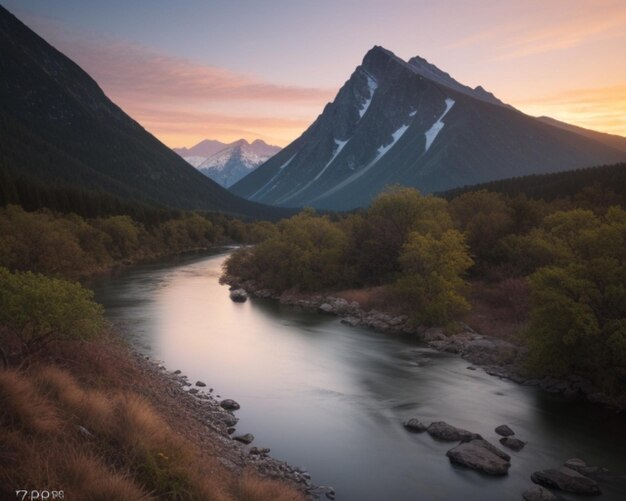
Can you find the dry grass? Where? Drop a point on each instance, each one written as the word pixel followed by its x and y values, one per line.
pixel 499 309
pixel 133 453
pixel 23 407
pixel 253 488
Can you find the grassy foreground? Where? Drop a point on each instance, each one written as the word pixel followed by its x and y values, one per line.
pixel 89 418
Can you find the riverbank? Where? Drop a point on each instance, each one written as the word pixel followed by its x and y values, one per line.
pixel 137 424
pixel 497 357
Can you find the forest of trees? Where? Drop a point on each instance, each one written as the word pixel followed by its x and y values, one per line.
pixel 564 256
pixel 429 251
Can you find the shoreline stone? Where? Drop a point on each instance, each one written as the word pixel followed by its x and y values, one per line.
pixel 448 433
pixel 504 431
pixel 567 480
pixel 480 455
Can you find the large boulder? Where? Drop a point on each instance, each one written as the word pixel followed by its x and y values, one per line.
pixel 512 443
pixel 248 438
pixel 567 480
pixel 480 455
pixel 448 433
pixel 238 295
pixel 538 493
pixel 504 430
pixel 229 404
pixel 583 468
pixel 228 419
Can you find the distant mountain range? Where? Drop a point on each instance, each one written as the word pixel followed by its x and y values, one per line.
pixel 227 163
pixel 57 125
pixel 413 124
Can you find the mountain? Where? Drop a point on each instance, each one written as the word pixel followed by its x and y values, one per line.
pixel 430 71
pixel 410 123
pixel 201 151
pixel 238 159
pixel 57 125
pixel 612 140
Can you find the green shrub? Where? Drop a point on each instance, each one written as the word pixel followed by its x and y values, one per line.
pixel 42 309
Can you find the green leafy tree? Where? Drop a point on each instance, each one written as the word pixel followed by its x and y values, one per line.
pixel 41 309
pixel 308 252
pixel 432 282
pixel 578 317
pixel 484 217
pixel 377 238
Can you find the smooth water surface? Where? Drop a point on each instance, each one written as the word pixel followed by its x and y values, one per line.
pixel 332 398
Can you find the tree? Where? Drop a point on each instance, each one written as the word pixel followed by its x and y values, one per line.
pixel 484 217
pixel 42 309
pixel 432 276
pixel 578 316
pixel 308 252
pixel 377 238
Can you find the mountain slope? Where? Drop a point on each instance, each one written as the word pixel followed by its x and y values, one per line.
pixel 204 148
pixel 201 151
pixel 391 124
pixel 612 140
pixel 57 124
pixel 238 159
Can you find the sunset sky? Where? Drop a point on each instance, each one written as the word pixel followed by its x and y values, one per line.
pixel 193 69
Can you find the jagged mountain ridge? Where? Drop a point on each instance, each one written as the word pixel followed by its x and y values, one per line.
pixel 238 159
pixel 391 124
pixel 201 151
pixel 57 125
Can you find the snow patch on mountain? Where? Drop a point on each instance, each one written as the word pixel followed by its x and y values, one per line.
pixel 380 152
pixel 269 186
pixel 372 86
pixel 431 134
pixel 194 160
pixel 236 161
pixel 338 147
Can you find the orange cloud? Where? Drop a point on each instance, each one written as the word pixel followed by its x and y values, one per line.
pixel 131 71
pixel 602 109
pixel 539 27
pixel 156 89
pixel 184 128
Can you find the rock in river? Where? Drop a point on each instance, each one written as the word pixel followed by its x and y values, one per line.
pixel 538 493
pixel 480 455
pixel 512 443
pixel 414 425
pixel 201 384
pixel 448 433
pixel 244 439
pixel 583 468
pixel 229 404
pixel 238 295
pixel 504 431
pixel 566 480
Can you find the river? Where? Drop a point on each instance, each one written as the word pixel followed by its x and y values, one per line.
pixel 332 398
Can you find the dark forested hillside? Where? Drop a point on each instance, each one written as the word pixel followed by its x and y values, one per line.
pixel 56 124
pixel 559 185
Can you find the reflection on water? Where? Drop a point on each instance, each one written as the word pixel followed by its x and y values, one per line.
pixel 332 398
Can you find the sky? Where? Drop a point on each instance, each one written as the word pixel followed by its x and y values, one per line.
pixel 264 69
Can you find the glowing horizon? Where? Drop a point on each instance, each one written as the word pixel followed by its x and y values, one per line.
pixel 185 82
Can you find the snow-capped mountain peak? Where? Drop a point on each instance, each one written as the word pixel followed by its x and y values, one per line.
pixel 236 160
